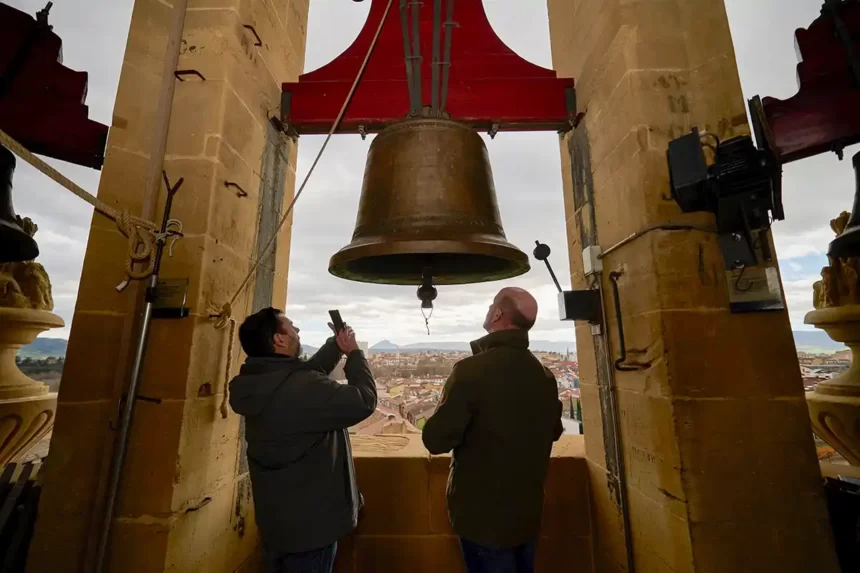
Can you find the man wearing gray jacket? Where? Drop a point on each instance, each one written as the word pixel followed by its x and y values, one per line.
pixel 296 421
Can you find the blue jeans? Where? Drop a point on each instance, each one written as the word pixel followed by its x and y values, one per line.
pixel 315 561
pixel 479 559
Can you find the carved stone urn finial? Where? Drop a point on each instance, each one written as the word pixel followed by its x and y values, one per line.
pixel 834 406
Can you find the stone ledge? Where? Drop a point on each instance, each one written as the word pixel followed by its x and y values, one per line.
pixel 410 446
pixel 404 523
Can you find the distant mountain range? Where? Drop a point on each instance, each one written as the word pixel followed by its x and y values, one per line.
pixel 44 348
pixel 816 342
pixel 812 341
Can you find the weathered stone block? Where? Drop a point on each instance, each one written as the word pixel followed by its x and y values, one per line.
pixel 564 554
pixel 659 41
pixel 565 508
pixel 92 369
pixel 122 184
pixel 699 344
pixel 138 546
pixel 216 534
pixel 440 467
pixel 147 38
pixel 134 112
pixel 344 561
pixel 71 476
pixel 284 62
pixel 592 422
pixel 405 479
pixel 607 523
pixel 660 533
pixel 795 545
pixel 198 114
pixel 652 461
pixel 149 473
pixel 193 202
pixel 760 450
pixel 707 34
pixel 398 553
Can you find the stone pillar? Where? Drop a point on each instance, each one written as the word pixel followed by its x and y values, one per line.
pixel 184 502
pixel 714 431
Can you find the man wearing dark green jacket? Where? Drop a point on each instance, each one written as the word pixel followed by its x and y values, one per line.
pixel 296 421
pixel 500 414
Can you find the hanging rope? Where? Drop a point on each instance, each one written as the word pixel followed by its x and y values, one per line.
pixel 141 234
pixel 224 314
pixel 225 398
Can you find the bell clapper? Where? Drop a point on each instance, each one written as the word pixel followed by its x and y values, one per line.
pixel 427 294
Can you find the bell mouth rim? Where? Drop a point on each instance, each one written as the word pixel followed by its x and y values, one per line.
pixel 518 261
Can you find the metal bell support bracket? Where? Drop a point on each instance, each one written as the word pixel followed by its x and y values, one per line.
pixel 572 304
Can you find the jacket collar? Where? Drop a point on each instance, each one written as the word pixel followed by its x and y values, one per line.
pixel 273 363
pixel 501 338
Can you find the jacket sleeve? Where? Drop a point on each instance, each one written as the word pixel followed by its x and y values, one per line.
pixel 338 406
pixel 559 427
pixel 445 429
pixel 326 358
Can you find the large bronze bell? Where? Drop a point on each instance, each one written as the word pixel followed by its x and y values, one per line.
pixel 428 206
pixel 15 244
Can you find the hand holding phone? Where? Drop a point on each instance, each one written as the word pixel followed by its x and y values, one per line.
pixel 336 320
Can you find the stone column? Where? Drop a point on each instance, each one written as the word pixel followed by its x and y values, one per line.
pixel 714 432
pixel 184 502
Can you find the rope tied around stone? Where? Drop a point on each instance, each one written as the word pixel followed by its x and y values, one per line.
pixel 141 234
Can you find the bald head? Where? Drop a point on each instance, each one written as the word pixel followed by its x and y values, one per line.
pixel 513 308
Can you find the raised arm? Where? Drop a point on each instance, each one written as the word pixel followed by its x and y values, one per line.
pixel 336 406
pixel 445 429
pixel 327 357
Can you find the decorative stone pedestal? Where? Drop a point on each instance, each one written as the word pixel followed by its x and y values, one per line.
pixel 835 405
pixel 26 407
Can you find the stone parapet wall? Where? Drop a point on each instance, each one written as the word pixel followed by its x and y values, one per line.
pixel 404 524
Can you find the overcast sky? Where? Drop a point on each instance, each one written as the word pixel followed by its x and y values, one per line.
pixel 526 168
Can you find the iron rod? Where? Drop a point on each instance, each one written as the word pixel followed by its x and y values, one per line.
pixel 446 58
pixel 407 53
pixel 437 41
pixel 124 431
pixel 416 54
pixel 621 477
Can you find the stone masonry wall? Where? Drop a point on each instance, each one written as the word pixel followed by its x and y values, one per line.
pixel 404 524
pixel 714 430
pixel 184 504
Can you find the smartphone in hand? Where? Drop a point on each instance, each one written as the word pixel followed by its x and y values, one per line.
pixel 336 320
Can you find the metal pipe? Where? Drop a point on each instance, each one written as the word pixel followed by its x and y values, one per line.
pixel 407 55
pixel 446 58
pixel 416 52
pixel 621 477
pixel 437 41
pixel 124 431
pixel 655 227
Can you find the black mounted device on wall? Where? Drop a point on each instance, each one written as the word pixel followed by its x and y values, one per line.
pixel 742 187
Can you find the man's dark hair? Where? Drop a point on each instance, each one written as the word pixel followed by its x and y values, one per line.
pixel 258 331
pixel 518 319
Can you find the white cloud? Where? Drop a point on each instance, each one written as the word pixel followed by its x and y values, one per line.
pixel 526 168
